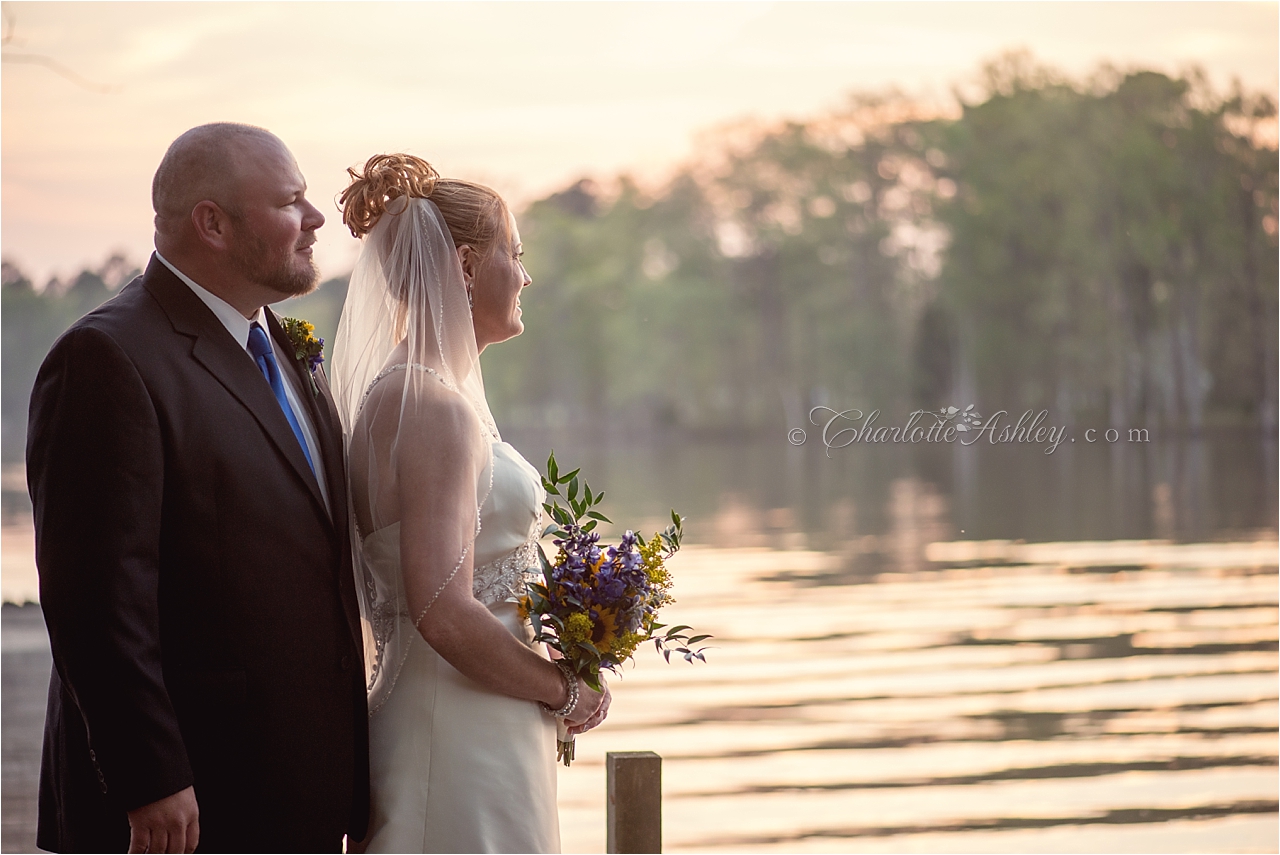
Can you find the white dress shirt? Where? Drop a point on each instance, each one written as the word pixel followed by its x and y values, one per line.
pixel 238 325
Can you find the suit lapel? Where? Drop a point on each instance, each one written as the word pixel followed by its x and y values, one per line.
pixel 324 416
pixel 231 365
pixel 336 469
pixel 335 458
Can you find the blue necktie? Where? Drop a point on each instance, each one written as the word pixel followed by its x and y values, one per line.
pixel 260 349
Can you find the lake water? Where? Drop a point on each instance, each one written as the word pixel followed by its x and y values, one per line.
pixel 1082 697
pixel 771 493
pixel 985 649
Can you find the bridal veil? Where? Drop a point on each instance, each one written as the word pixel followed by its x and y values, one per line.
pixel 407 381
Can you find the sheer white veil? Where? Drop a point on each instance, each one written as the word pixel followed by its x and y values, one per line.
pixel 405 350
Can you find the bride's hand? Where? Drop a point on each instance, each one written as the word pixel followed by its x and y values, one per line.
pixel 589 703
pixel 597 717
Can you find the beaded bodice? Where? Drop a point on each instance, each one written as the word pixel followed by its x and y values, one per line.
pixel 503 579
pixel 506 548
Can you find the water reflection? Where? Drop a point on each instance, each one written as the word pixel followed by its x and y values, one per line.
pixel 880 505
pixel 991 696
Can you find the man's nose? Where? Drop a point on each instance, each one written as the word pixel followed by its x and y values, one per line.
pixel 312 219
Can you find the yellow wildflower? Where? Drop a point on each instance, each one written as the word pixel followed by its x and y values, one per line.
pixel 652 558
pixel 577 628
pixel 626 645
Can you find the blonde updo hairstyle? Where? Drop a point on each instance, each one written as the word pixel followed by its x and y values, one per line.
pixel 475 214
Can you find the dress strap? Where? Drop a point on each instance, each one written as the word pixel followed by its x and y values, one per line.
pixel 488 427
pixel 390 369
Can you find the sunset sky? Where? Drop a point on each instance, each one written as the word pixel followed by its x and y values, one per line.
pixel 525 96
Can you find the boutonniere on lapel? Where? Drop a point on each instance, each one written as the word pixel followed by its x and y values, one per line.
pixel 307 349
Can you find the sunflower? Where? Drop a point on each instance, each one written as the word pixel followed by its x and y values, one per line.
pixel 604 635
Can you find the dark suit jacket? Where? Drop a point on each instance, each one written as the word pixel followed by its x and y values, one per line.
pixel 199 596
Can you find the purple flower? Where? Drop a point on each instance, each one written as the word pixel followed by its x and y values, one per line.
pixel 316 359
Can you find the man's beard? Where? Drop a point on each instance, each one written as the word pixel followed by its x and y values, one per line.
pixel 279 272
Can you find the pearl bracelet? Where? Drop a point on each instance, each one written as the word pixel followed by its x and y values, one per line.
pixel 571 683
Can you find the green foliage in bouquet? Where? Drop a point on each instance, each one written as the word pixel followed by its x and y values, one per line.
pixel 596 606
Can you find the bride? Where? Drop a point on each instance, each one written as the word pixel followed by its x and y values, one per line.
pixel 463 706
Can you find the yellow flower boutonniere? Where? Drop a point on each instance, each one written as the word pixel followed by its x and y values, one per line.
pixel 306 347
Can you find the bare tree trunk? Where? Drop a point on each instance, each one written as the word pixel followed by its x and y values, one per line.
pixel 761 275
pixel 964 385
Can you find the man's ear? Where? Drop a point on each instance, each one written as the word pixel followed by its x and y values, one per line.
pixel 470 260
pixel 212 225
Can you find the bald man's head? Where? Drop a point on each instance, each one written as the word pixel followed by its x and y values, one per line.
pixel 205 163
pixel 232 213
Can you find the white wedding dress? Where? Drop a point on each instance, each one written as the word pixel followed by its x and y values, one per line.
pixel 456 767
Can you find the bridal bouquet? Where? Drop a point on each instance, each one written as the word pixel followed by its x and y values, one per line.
pixel 596 605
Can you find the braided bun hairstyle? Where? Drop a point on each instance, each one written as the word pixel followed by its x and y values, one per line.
pixel 475 214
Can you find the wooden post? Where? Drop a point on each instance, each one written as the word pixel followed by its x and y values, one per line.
pixel 635 801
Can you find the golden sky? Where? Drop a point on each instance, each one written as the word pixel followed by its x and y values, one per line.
pixel 526 96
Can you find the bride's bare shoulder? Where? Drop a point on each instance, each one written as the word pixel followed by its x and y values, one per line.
pixel 420 400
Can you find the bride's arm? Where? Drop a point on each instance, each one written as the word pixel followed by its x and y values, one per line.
pixel 441 455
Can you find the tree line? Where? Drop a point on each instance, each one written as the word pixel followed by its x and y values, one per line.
pixel 1105 248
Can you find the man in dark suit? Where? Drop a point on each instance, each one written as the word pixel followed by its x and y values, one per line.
pixel 188 481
